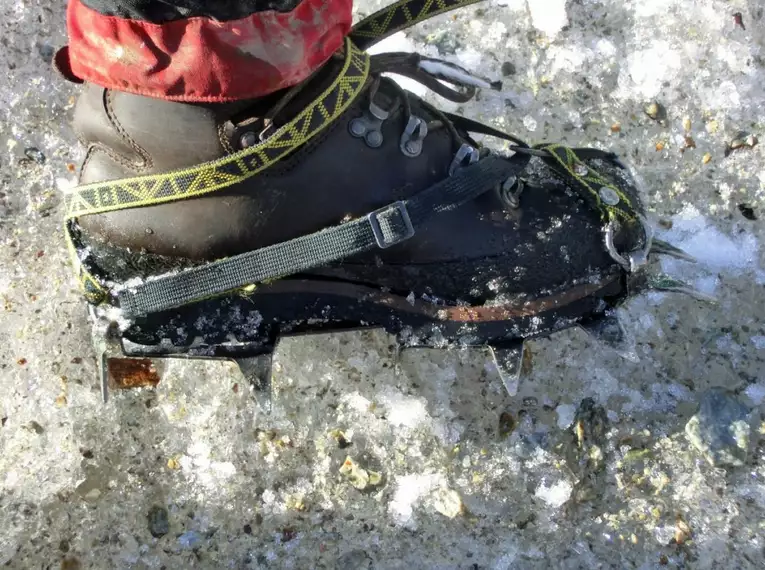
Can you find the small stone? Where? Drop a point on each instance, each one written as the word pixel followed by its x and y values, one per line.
pixel 508 68
pixel 342 440
pixel 71 563
pixel 159 523
pixel 92 495
pixel 354 560
pixel 659 146
pixel 616 127
pixel 657 112
pixel 687 124
pixel 190 539
pixel 747 211
pixel 707 157
pixel 682 530
pixel 173 463
pixel 741 141
pixel 359 477
pixel 447 502
pixel 35 427
pixel 61 400
pixel 34 154
pixel 507 424
pixel 247 529
pixel 721 429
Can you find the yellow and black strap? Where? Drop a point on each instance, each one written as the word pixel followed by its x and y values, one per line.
pixel 594 188
pixel 399 16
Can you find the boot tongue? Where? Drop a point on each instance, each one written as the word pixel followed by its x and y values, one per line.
pixel 303 95
pixel 254 120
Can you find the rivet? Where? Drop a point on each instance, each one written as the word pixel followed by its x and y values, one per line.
pixel 374 139
pixel 357 128
pixel 581 170
pixel 609 196
pixel 247 139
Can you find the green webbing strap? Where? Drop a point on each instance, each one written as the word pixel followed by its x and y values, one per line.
pixel 383 228
pixel 599 192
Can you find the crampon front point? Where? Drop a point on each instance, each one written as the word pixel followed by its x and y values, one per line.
pixel 344 202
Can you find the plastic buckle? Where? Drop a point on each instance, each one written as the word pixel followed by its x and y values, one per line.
pixel 377 231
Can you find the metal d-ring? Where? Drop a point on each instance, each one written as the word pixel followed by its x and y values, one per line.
pixel 634 259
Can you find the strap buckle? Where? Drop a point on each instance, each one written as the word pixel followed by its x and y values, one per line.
pixel 391 225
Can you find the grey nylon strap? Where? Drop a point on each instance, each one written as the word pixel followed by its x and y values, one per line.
pixel 383 228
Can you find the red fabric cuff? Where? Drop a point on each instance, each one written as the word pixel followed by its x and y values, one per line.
pixel 198 59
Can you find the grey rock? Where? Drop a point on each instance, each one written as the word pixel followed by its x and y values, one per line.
pixel 721 429
pixel 159 524
pixel 354 560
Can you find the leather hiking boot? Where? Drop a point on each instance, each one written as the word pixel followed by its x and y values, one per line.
pixel 344 202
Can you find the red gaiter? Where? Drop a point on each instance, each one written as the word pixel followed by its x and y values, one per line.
pixel 201 59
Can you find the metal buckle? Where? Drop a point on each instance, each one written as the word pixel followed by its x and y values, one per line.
pixel 377 231
pixel 634 259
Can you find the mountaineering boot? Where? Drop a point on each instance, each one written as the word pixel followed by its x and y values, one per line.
pixel 344 202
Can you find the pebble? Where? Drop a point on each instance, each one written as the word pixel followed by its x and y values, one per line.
pixel 508 68
pixel 159 524
pixel 721 429
pixel 34 154
pixel 358 476
pixel 354 560
pixel 190 539
pixel 447 502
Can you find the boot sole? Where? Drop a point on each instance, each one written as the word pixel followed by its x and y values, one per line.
pixel 237 325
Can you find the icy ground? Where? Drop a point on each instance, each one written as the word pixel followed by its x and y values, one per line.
pixel 454 473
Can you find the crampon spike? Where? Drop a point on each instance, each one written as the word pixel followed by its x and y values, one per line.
pixel 257 370
pixel 663 282
pixel 509 362
pixel 116 370
pixel 660 247
pixel 609 331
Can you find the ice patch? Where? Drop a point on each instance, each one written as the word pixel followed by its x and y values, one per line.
pixel 556 494
pixel 548 16
pixel 566 414
pixel 409 490
pixel 646 70
pixel 714 250
pixel 758 341
pixel 402 410
pixel 530 123
pixel 756 393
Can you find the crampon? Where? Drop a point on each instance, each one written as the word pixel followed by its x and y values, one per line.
pixel 344 202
